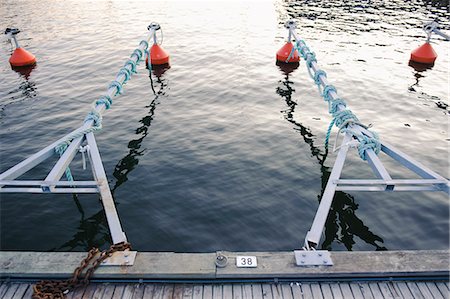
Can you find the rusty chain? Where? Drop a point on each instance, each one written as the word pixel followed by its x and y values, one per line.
pixel 51 289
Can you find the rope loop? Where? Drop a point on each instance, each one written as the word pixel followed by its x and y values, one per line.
pixel 106 100
pixel 126 72
pixel 310 58
pixel 345 117
pixel 317 75
pixel 335 104
pixel 144 43
pixel 326 92
pixel 117 85
pixel 138 54
pixel 131 63
pixel 366 142
pixel 96 117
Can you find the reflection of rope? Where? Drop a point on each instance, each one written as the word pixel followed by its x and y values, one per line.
pixel 343 117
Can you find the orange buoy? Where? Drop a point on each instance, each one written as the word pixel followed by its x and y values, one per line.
pixel 158 55
pixel 285 51
pixel 22 57
pixel 424 54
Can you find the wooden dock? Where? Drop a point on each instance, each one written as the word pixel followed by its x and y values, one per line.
pixel 387 274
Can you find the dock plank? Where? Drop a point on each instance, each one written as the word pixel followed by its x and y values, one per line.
pixel 21 290
pixel 424 290
pixel 346 291
pixel 375 288
pixel 139 291
pixel 415 290
pixel 217 291
pixel 197 292
pixel 207 291
pixel 28 293
pixel 3 288
pixel 366 291
pixel 286 291
pixel 168 291
pixel 404 290
pixel 443 289
pixel 312 290
pixel 227 291
pixel 247 291
pixel 128 292
pixel 237 291
pixel 109 291
pixel 336 290
pixel 99 291
pixel 276 291
pixel 326 290
pixel 266 291
pixel 434 290
pixel 356 290
pixel 12 288
pixel 177 292
pixel 297 292
pixel 386 291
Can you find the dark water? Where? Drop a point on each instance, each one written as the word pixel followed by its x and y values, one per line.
pixel 224 150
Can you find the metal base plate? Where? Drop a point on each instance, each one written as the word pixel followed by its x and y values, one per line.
pixel 313 258
pixel 120 258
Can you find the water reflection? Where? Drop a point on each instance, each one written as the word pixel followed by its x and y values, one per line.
pixel 342 224
pixel 93 231
pixel 26 88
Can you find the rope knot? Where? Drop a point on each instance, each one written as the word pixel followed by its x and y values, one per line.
pixel 106 100
pixel 326 92
pixel 317 76
pixel 366 143
pixel 96 117
pixel 126 73
pixel 138 54
pixel 131 63
pixel 144 43
pixel 117 85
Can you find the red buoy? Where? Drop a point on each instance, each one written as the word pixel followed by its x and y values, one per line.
pixel 22 57
pixel 158 55
pixel 424 54
pixel 285 51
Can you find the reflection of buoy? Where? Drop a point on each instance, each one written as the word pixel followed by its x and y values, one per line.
pixel 158 55
pixel 424 54
pixel 287 68
pixel 285 51
pixel 24 71
pixel 22 57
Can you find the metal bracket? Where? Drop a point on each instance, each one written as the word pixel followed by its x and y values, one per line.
pixel 120 258
pixel 291 24
pixel 305 258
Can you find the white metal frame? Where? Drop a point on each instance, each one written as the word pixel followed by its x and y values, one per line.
pixel 9 182
pixel 431 181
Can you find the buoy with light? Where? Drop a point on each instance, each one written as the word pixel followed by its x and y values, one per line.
pixel 20 56
pixel 158 56
pixel 425 54
pixel 287 53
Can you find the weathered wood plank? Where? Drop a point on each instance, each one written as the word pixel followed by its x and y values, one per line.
pixel 149 289
pixel 89 291
pixel 177 291
pixel 197 292
pixel 257 291
pixel 312 290
pixel 434 290
pixel 11 290
pixel 346 291
pixel 385 290
pixel 286 291
pixel 404 290
pixel 227 291
pixel 167 265
pixel 3 288
pixel 139 291
pixel 168 291
pixel 21 291
pixel 128 291
pixel 29 292
pixel 424 290
pixel 443 289
pixel 266 291
pixel 296 290
pixel 158 291
pixel 217 291
pixel 77 293
pixel 276 291
pixel 109 291
pixel 237 291
pixel 118 291
pixel 99 290
pixel 326 290
pixel 356 290
pixel 365 289
pixel 375 288
pixel 246 291
pixel 207 291
pixel 415 290
pixel 336 290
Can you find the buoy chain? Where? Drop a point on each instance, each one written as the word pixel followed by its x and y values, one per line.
pixel 343 117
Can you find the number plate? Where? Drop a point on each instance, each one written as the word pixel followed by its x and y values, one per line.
pixel 246 262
